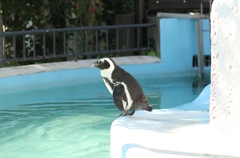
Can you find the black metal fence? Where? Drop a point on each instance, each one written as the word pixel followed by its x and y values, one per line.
pixel 75 42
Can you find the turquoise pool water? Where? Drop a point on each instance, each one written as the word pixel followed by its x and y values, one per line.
pixel 74 121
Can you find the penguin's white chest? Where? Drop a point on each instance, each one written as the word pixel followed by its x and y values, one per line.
pixel 108 75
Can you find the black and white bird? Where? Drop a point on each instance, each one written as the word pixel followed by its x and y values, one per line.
pixel 127 93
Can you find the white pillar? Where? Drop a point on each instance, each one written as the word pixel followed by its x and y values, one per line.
pixel 225 70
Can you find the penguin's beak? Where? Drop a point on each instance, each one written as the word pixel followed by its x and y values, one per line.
pixel 93 65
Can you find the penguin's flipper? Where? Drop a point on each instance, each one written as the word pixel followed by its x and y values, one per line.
pixel 118 93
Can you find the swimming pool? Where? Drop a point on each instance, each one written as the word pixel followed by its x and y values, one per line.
pixel 74 121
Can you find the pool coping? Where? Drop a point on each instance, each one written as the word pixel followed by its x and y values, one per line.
pixel 47 67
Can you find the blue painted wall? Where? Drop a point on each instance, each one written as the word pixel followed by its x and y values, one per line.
pixel 206 36
pixel 48 79
pixel 178 42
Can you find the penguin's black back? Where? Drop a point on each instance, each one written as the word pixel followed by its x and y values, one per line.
pixel 140 101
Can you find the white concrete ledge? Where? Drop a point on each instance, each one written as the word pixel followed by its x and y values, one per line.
pixel 36 68
pixel 171 133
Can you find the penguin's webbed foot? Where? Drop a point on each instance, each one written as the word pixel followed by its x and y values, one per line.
pixel 131 113
pixel 125 113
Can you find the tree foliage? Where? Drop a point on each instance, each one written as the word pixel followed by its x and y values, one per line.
pixel 20 15
pixel 43 14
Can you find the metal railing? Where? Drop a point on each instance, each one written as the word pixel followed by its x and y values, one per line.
pixel 74 42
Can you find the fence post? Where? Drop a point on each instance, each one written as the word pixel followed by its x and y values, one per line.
pixel 75 46
pixel 157 37
pixel 2 44
pixel 200 48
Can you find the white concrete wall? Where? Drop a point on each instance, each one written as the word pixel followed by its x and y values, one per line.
pixel 225 73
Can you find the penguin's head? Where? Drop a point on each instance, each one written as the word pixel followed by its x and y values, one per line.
pixel 104 64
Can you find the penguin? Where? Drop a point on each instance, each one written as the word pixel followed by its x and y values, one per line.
pixel 127 93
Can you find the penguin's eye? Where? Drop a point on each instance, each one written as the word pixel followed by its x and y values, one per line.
pixel 101 61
